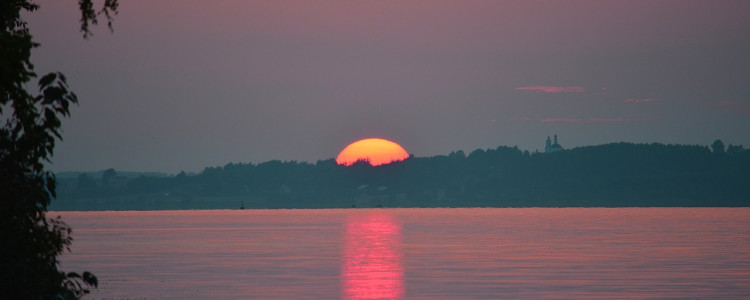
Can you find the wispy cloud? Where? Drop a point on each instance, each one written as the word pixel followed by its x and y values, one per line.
pixel 561 120
pixel 551 89
pixel 613 120
pixel 524 119
pixel 602 91
pixel 642 100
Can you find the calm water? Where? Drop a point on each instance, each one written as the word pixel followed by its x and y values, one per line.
pixel 533 253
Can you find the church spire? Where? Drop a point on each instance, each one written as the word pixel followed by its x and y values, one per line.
pixel 552 147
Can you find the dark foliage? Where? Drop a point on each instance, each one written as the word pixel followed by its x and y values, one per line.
pixel 611 175
pixel 32 242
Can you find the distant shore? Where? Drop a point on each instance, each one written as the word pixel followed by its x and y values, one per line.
pixel 611 175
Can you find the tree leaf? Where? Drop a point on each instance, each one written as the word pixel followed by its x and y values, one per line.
pixel 47 80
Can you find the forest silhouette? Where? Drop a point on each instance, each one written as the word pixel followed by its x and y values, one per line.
pixel 610 175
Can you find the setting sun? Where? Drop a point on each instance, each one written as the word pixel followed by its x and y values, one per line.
pixel 376 151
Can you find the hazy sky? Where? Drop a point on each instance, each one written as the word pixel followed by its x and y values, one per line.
pixel 182 85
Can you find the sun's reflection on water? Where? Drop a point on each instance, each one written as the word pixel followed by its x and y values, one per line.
pixel 372 259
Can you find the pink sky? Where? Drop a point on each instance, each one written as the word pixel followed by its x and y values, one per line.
pixel 188 84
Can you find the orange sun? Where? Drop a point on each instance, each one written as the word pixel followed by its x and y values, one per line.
pixel 376 151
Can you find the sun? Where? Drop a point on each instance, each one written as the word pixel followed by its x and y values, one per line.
pixel 376 151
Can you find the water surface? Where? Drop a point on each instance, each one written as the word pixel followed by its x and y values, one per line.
pixel 477 253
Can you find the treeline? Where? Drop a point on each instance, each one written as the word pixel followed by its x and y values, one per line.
pixel 612 175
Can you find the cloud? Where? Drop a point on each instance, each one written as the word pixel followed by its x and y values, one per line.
pixel 612 120
pixel 642 100
pixel 551 89
pixel 602 91
pixel 525 119
pixel 561 120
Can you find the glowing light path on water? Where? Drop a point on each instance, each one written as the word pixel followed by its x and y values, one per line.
pixel 372 262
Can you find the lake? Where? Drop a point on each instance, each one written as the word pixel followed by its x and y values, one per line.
pixel 415 253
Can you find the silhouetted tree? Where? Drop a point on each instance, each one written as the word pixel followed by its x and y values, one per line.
pixel 733 150
pixel 107 175
pixel 85 182
pixel 619 174
pixel 32 242
pixel 718 147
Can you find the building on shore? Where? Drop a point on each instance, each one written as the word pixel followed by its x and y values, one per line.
pixel 552 147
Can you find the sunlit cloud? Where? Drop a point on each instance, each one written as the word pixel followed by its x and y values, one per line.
pixel 551 89
pixel 561 120
pixel 642 100
pixel 602 91
pixel 612 120
pixel 520 119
